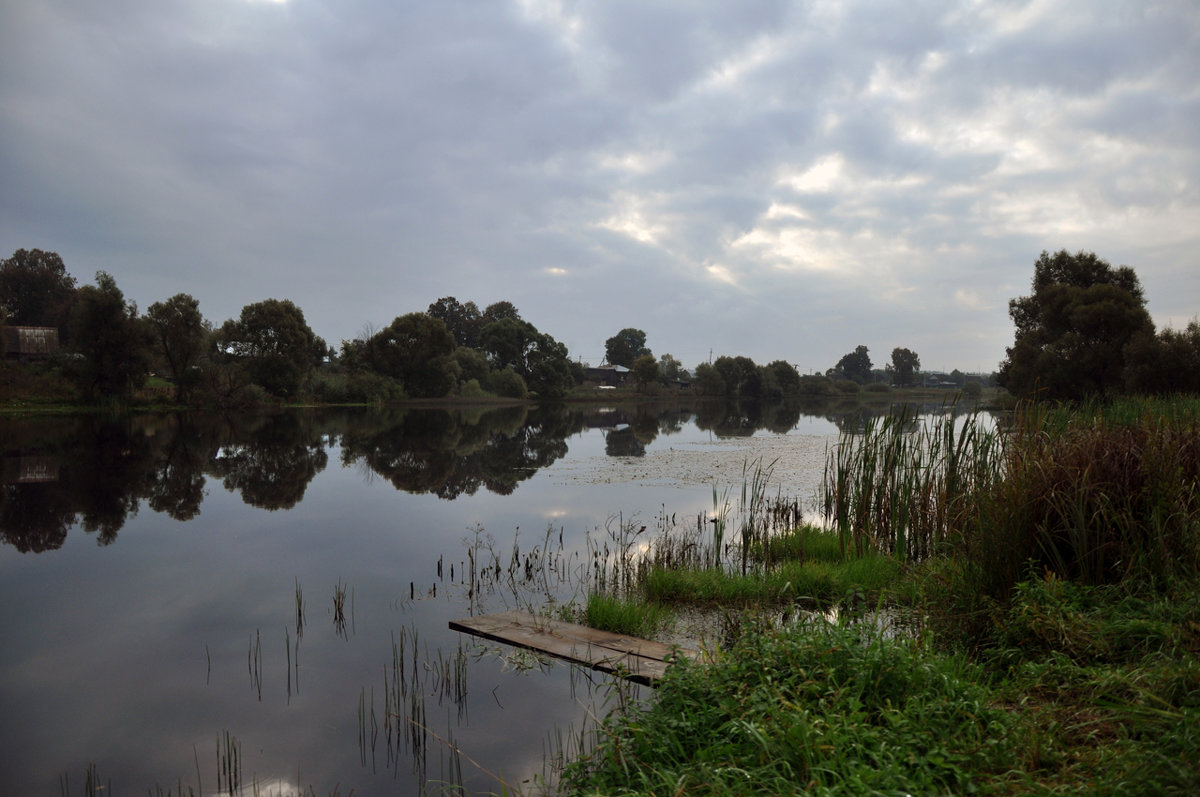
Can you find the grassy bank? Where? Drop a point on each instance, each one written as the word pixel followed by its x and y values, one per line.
pixel 1053 565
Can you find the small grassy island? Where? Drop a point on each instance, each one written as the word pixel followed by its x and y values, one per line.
pixel 990 610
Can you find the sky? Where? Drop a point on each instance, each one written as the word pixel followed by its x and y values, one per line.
pixel 773 179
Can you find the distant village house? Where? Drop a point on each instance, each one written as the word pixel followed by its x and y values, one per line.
pixel 607 375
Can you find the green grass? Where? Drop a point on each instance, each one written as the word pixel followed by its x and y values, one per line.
pixel 1056 563
pixel 817 582
pixel 805 564
pixel 819 709
pixel 635 618
pixel 1082 690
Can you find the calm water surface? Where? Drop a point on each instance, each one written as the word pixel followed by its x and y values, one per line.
pixel 151 570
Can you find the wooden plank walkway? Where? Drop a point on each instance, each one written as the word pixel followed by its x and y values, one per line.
pixel 639 660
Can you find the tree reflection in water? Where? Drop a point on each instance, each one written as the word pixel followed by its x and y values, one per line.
pixel 98 470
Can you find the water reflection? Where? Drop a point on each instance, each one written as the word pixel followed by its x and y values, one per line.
pixel 244 541
pixel 95 471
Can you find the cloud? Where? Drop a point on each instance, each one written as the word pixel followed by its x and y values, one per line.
pixel 884 171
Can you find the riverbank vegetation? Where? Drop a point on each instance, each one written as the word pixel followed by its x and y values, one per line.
pixel 1047 573
pixel 88 346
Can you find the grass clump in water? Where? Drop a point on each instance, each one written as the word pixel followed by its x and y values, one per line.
pixel 805 564
pixel 635 618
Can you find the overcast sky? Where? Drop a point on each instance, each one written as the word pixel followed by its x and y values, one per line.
pixel 782 180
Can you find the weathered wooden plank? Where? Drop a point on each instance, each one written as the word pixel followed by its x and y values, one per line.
pixel 641 660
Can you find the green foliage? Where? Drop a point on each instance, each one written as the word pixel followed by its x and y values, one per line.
pixel 645 370
pixel 816 709
pixel 354 387
pixel 540 360
pixel 708 380
pixel 625 347
pixel 1164 364
pixel 1101 495
pixel 814 582
pixel 740 376
pixel 463 321
pixel 35 289
pixel 635 618
pixel 671 368
pixel 179 334
pixel 782 379
pixel 417 350
pixel 855 366
pixel 114 344
pixel 1072 330
pixel 508 383
pixel 274 344
pixel 472 365
pixel 815 386
pixel 905 485
pixel 498 311
pixel 905 364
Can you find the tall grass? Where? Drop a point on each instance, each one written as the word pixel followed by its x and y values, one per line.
pixel 1100 493
pixel 904 484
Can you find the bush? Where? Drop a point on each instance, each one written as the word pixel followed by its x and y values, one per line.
pixel 507 383
pixel 877 387
pixel 812 385
pixel 472 389
pixel 846 386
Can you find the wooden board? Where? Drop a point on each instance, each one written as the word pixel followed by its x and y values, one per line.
pixel 640 660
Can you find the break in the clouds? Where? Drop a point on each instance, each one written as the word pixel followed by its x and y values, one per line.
pixel 775 179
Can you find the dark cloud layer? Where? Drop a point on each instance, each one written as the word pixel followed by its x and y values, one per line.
pixel 778 179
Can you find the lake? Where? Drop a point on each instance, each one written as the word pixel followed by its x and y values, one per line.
pixel 214 604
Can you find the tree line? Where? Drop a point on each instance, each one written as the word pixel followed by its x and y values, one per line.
pixel 1084 330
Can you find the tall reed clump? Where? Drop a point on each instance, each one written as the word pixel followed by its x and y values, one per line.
pixel 904 485
pixel 1099 494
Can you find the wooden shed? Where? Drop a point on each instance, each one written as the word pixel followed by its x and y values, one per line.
pixel 29 343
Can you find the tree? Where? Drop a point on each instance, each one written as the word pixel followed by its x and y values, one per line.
pixel 35 289
pixel 417 350
pixel 1072 330
pixel 498 311
pixel 708 380
pixel 275 344
pixel 740 375
pixel 114 344
pixel 645 370
pixel 671 368
pixel 905 364
pixel 463 321
pixel 625 347
pixel 855 366
pixel 1165 363
pixel 179 335
pixel 783 378
pixel 536 357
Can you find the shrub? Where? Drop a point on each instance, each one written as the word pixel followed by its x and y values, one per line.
pixel 507 383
